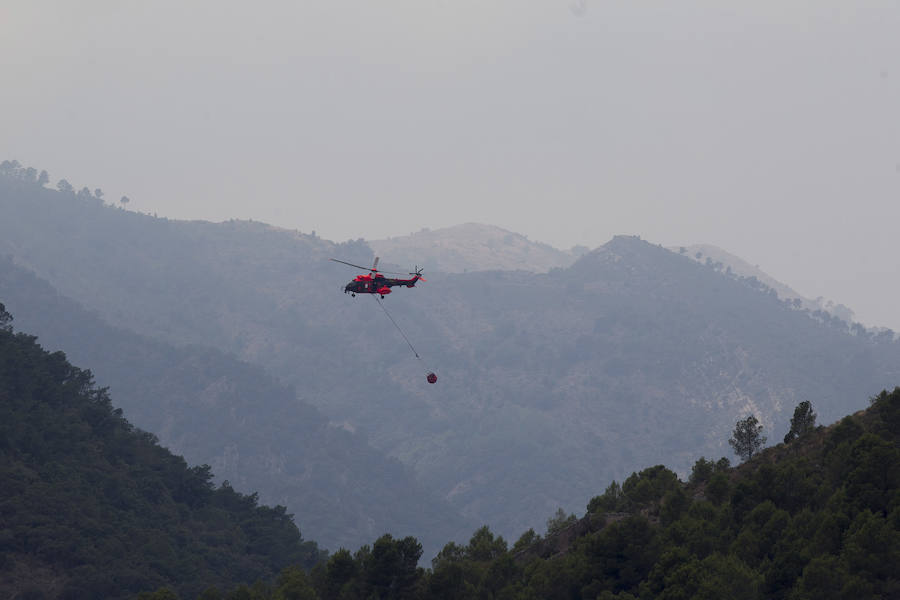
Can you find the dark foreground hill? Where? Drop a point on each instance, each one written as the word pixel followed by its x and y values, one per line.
pixel 216 410
pixel 549 384
pixel 94 508
pixel 817 518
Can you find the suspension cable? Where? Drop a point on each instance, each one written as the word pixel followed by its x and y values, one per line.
pixel 381 304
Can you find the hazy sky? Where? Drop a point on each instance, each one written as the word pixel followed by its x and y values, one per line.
pixel 771 129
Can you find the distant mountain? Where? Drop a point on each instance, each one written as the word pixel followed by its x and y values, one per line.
pixel 471 247
pixel 733 265
pixel 550 384
pixel 93 508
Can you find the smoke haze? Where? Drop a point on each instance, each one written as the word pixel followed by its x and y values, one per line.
pixel 769 129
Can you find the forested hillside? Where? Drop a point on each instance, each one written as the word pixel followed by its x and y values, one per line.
pixel 93 508
pixel 814 518
pixel 213 409
pixel 549 384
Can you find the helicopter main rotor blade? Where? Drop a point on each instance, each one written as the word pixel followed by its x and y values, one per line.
pixel 350 264
pixel 373 268
pixel 376 270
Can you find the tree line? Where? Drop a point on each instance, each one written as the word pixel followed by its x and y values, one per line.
pixel 817 516
pixel 14 170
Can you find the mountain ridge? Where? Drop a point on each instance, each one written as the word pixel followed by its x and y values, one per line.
pixel 722 259
pixel 630 356
pixel 472 247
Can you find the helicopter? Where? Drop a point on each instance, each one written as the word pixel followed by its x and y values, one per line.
pixel 375 282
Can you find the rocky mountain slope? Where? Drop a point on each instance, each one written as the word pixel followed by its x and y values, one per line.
pixel 472 247
pixel 734 265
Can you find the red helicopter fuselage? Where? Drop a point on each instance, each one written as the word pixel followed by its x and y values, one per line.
pixel 377 284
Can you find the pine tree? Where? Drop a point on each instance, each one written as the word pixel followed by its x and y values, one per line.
pixel 747 438
pixel 5 319
pixel 803 421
